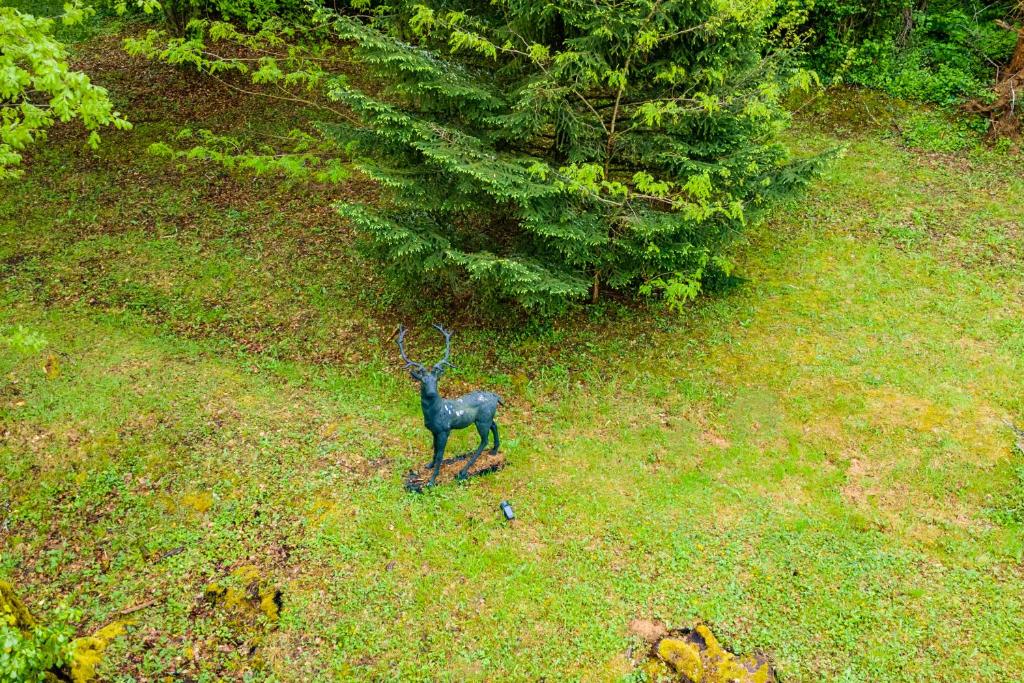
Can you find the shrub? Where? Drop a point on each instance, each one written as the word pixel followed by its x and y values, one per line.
pixel 941 52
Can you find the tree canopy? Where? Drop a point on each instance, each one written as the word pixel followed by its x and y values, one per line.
pixel 37 87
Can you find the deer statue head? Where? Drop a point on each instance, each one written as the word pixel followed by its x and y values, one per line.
pixel 420 373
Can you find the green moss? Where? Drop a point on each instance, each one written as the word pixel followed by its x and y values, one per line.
pixel 269 603
pixel 88 651
pixel 246 593
pixel 699 657
pixel 722 666
pixel 683 657
pixel 13 610
pixel 761 674
pixel 730 671
pixel 246 574
pixel 200 502
pixel 656 670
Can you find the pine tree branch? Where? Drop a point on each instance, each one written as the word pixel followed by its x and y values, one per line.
pixel 544 69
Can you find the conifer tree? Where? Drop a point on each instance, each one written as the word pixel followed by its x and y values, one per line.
pixel 544 151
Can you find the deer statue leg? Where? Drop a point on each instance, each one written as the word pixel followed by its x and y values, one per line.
pixel 440 441
pixel 494 431
pixel 482 429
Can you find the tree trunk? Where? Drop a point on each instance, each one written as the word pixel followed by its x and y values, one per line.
pixel 1010 92
pixel 1004 111
pixel 1017 61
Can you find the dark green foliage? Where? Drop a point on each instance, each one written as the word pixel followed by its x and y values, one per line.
pixel 176 15
pixel 537 152
pixel 940 52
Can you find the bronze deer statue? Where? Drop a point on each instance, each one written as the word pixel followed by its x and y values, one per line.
pixel 441 415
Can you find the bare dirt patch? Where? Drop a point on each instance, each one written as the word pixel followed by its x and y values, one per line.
pixel 416 480
pixel 648 630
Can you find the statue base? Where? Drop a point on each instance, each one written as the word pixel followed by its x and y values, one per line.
pixel 416 480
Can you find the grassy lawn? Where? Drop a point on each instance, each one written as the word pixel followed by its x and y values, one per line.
pixel 196 376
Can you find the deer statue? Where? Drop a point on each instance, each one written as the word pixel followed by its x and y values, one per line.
pixel 441 415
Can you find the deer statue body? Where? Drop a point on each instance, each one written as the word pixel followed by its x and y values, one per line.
pixel 441 415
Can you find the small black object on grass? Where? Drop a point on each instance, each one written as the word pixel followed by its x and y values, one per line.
pixel 506 509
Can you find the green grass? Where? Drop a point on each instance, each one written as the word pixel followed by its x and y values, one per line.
pixel 813 462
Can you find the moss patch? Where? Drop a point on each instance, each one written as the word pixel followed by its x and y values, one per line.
pixel 200 502
pixel 696 656
pixel 13 610
pixel 684 658
pixel 88 651
pixel 247 594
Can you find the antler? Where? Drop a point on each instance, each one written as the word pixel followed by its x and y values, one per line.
pixel 401 350
pixel 447 348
